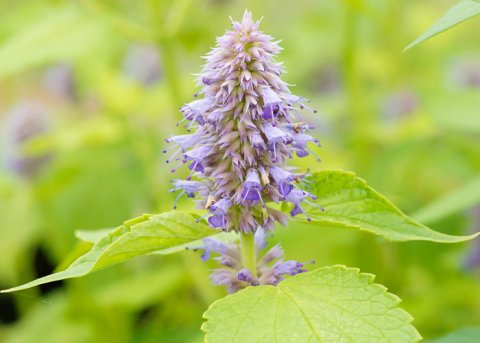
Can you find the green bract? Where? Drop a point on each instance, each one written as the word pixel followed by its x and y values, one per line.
pixel 331 304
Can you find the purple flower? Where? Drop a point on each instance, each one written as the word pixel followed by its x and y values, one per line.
pixel 296 197
pixel 271 103
pixel 185 141
pixel 186 187
pixel 235 276
pixel 244 132
pixel 245 275
pixel 300 141
pixel 252 187
pixel 257 141
pixel 282 179
pixel 244 136
pixel 197 156
pixel 214 245
pixel 289 267
pixel 195 110
pixel 219 210
pixel 275 136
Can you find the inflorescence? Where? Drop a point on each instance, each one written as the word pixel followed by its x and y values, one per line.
pixel 241 134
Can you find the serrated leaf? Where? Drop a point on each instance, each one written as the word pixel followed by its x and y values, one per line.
pixel 139 236
pixel 462 11
pixel 92 236
pixel 350 203
pixel 466 335
pixel 331 304
pixel 460 199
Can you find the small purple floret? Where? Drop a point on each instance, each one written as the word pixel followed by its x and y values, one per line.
pixel 194 111
pixel 245 275
pixel 282 179
pixel 252 187
pixel 271 268
pixel 219 210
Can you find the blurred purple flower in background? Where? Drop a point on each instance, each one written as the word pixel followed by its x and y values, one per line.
pixel 472 261
pixel 59 80
pixel 464 73
pixel 142 64
pixel 24 122
pixel 398 105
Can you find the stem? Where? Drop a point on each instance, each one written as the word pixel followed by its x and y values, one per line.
pixel 248 252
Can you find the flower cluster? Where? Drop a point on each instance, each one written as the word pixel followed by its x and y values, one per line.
pixel 242 133
pixel 270 267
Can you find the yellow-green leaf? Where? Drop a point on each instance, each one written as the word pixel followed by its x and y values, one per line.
pixel 331 304
pixel 139 236
pixel 350 203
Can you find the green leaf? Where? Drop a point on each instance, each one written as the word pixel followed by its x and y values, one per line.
pixel 464 197
pixel 462 11
pixel 467 335
pixel 139 236
pixel 92 236
pixel 330 304
pixel 350 203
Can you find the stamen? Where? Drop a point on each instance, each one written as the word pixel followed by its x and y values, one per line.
pixel 314 205
pixel 314 154
pixel 260 196
pixel 176 199
pixel 274 153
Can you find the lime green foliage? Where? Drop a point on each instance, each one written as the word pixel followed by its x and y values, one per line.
pixel 135 237
pixel 346 56
pixel 331 304
pixel 463 198
pixel 468 335
pixel 462 11
pixel 65 34
pixel 463 104
pixel 93 236
pixel 349 202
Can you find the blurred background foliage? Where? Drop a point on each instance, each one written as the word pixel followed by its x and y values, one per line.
pixel 90 89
